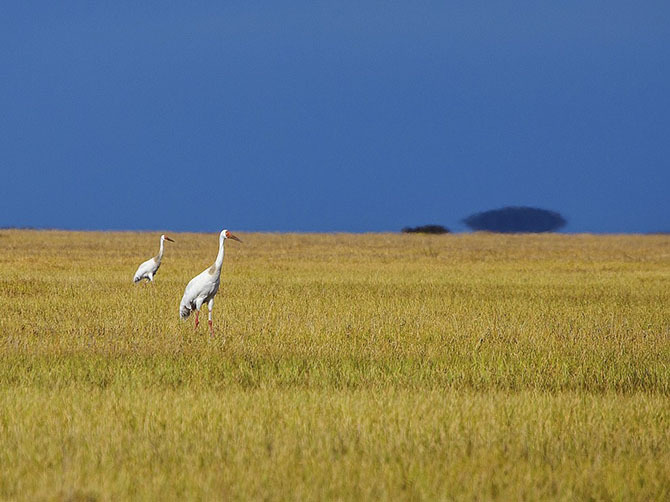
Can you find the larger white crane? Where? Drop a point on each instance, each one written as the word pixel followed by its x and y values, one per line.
pixel 148 269
pixel 204 286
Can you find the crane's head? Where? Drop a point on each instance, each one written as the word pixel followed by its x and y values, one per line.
pixel 225 234
pixel 166 238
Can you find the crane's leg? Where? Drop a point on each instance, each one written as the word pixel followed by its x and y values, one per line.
pixel 197 313
pixel 210 307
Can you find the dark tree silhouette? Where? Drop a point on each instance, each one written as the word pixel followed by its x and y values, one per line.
pixel 426 229
pixel 516 220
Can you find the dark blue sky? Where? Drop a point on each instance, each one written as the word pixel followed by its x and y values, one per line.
pixel 333 116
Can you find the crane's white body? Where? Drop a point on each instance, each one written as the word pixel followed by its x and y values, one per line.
pixel 204 286
pixel 147 270
pixel 201 289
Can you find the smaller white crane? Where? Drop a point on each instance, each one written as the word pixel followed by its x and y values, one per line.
pixel 148 269
pixel 204 286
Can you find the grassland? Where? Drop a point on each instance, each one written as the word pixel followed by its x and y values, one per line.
pixel 401 367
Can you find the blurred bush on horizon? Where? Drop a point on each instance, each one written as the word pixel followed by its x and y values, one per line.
pixel 516 219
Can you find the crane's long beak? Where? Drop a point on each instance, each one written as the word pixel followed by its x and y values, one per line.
pixel 168 239
pixel 234 237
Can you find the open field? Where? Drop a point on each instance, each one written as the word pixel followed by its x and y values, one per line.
pixel 344 367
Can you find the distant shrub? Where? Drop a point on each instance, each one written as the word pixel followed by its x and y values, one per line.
pixel 516 220
pixel 426 229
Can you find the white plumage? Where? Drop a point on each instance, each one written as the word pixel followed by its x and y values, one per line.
pixel 148 269
pixel 204 286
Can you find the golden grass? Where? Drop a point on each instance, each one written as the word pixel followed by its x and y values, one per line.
pixel 344 367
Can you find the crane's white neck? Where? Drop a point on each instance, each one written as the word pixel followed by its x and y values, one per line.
pixel 160 251
pixel 219 257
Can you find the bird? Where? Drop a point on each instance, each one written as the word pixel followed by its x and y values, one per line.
pixel 204 286
pixel 148 269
